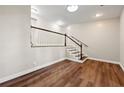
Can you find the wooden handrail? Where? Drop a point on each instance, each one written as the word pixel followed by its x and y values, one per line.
pixel 72 38
pixel 47 30
pixel 79 41
pixel 56 33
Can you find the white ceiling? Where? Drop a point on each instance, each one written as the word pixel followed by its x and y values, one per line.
pixel 85 13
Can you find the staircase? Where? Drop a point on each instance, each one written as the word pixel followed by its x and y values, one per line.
pixel 74 50
pixel 74 53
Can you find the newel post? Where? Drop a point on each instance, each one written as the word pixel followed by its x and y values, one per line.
pixel 81 52
pixel 65 40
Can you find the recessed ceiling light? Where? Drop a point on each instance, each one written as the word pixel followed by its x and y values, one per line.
pixel 72 8
pixel 99 14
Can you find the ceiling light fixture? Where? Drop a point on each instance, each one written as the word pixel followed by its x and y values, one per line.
pixel 98 15
pixel 72 8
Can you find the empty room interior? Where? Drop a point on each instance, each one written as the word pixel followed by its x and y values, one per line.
pixel 62 46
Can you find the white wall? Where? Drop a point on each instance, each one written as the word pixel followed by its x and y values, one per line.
pixel 122 38
pixel 44 55
pixel 43 37
pixel 102 37
pixel 16 54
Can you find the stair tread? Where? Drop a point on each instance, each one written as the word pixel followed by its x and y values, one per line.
pixel 82 56
pixel 75 52
pixel 72 50
pixel 77 55
pixel 71 47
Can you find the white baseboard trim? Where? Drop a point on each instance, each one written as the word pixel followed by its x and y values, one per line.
pixel 122 66
pixel 103 60
pixel 108 61
pixel 75 60
pixel 10 77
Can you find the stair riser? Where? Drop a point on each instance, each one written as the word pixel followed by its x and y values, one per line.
pixel 73 52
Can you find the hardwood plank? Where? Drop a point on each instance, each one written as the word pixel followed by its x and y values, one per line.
pixel 67 73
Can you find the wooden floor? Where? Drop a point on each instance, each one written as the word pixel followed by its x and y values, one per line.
pixel 91 73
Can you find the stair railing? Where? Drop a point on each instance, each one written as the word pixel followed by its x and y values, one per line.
pixel 72 38
pixel 79 41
